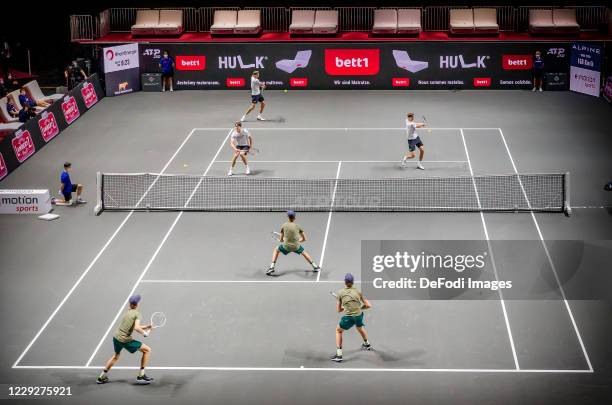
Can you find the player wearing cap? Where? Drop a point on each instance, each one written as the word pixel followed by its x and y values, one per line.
pixel 240 141
pixel 352 302
pixel 291 237
pixel 123 340
pixel 256 97
pixel 414 141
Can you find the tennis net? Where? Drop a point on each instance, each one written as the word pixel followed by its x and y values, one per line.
pixel 512 192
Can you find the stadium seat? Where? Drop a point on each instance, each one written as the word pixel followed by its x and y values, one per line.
pixel 302 21
pixel 146 22
pixel 461 21
pixel 485 21
pixel 326 22
pixel 170 23
pixel 224 22
pixel 408 21
pixel 4 115
pixel 249 22
pixel 565 21
pixel 541 21
pixel 385 21
pixel 34 91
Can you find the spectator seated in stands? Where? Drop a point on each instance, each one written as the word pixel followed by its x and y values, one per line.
pixel 3 89
pixel 12 109
pixel 25 99
pixel 74 75
pixel 26 113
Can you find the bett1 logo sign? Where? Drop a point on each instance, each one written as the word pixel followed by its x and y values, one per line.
pixel 352 62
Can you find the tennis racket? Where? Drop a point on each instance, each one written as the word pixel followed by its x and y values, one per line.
pixel 250 151
pixel 276 236
pixel 333 294
pixel 158 320
pixel 426 123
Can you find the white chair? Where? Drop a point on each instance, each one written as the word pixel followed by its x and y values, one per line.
pixel 565 21
pixel 385 21
pixel 170 23
pixel 461 21
pixel 326 22
pixel 224 22
pixel 541 21
pixel 146 21
pixel 249 22
pixel 302 21
pixel 34 90
pixel 409 21
pixel 485 21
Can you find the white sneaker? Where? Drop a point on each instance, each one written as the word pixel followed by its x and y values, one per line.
pixel 230 173
pixel 534 89
pixel 420 166
pixel 164 90
pixel 247 171
pixel 404 161
pixel 171 89
pixel 541 90
pixel 260 118
pixel 243 118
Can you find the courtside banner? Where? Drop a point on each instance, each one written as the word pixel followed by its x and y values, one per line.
pixel 121 69
pixel 585 70
pixel 456 65
pixel 22 144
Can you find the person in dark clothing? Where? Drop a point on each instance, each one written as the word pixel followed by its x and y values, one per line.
pixel 538 71
pixel 11 108
pixel 166 63
pixel 74 75
pixel 26 113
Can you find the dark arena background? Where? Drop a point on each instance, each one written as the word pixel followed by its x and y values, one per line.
pixel 318 202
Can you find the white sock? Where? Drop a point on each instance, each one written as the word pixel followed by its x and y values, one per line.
pixel 339 352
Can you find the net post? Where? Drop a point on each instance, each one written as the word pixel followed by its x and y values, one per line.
pixel 99 205
pixel 567 209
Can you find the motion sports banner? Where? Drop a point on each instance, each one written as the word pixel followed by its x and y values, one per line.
pixel 423 65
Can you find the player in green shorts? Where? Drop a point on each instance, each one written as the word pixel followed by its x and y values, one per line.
pixel 352 302
pixel 292 237
pixel 123 340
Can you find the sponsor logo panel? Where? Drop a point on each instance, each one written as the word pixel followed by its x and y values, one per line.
pixel 235 82
pixel 48 126
pixel 70 109
pixel 298 82
pixel 190 62
pixel 517 62
pixel 23 145
pixel 352 62
pixel 400 82
pixel 88 92
pixel 482 82
pixel 3 167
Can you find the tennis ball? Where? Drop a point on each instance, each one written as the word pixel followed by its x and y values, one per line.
pixel 285 90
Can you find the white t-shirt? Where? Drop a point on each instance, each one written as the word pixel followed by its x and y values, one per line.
pixel 240 138
pixel 255 86
pixel 411 129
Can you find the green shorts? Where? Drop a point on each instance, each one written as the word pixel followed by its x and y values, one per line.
pixel 347 321
pixel 284 250
pixel 132 346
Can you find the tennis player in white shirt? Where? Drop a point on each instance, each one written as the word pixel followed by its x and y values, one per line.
pixel 256 97
pixel 240 142
pixel 414 141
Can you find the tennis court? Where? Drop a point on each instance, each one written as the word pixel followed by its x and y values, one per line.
pixel 229 323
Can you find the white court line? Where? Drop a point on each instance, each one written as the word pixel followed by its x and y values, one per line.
pixel 319 369
pixel 329 217
pixel 484 226
pixel 345 161
pixel 550 261
pixel 343 129
pixel 152 259
pixel 96 257
pixel 272 281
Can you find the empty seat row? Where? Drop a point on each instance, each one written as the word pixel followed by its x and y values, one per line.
pixel 247 22
pixel 304 22
pixel 555 21
pixel 158 22
pixel 400 21
pixel 473 21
